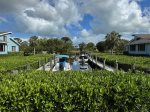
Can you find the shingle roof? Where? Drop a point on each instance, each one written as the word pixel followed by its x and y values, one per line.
pixel 146 36
pixel 140 39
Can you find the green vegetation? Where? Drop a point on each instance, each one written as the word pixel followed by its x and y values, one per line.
pixel 51 45
pixel 75 91
pixel 113 43
pixel 11 62
pixel 137 60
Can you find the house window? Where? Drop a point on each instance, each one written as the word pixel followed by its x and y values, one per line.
pixel 13 48
pixel 141 47
pixel 5 38
pixel 2 48
pixel 132 47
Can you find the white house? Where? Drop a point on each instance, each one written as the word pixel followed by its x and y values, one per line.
pixel 140 45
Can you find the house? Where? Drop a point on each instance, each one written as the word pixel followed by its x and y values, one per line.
pixel 7 44
pixel 140 45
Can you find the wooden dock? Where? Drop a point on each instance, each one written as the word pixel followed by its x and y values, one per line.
pixel 100 64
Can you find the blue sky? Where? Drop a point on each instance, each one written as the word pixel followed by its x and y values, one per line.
pixel 82 21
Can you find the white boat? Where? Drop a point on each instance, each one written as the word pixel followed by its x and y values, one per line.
pixel 83 58
pixel 62 63
pixel 84 66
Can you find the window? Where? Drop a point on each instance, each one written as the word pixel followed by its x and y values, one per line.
pixel 141 47
pixel 5 38
pixel 1 48
pixel 13 48
pixel 132 47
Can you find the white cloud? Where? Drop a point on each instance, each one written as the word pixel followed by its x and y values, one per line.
pixel 50 17
pixel 42 17
pixel 118 15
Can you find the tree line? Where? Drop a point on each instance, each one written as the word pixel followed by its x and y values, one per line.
pixel 113 43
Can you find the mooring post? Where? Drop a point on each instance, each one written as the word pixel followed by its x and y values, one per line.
pixel 45 60
pixel 96 59
pixel 133 67
pixel 43 67
pixel 104 61
pixel 50 63
pixel 116 65
pixel 39 63
pixel 28 66
pixel 54 60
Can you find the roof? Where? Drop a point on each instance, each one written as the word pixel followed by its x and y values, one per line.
pixel 140 39
pixel 4 33
pixel 146 36
pixel 62 56
pixel 15 41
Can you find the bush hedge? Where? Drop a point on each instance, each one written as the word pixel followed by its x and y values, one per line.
pixel 97 91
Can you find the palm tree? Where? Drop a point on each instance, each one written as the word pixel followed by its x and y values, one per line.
pixel 112 40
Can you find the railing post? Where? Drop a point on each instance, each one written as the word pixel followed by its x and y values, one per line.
pixel 54 60
pixel 45 60
pixel 28 66
pixel 133 67
pixel 39 63
pixel 104 63
pixel 43 67
pixel 116 65
pixel 96 59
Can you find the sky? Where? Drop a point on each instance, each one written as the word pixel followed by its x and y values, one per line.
pixel 81 20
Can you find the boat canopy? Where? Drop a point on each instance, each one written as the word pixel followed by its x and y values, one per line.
pixel 62 56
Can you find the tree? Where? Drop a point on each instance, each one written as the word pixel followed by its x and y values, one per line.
pixel 66 39
pixel 18 40
pixel 90 46
pixel 82 46
pixel 122 44
pixel 101 46
pixel 112 40
pixel 33 42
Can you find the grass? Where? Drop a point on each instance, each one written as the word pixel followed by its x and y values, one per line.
pixel 140 61
pixel 10 62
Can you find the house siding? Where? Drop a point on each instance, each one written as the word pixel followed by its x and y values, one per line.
pixel 9 44
pixel 136 52
pixel 148 49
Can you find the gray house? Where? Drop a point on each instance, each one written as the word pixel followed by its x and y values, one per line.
pixel 140 45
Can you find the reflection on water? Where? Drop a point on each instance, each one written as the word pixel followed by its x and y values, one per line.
pixel 76 66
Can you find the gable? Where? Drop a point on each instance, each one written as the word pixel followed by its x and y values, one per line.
pixel 12 40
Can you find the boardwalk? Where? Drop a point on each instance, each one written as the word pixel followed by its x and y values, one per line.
pixel 47 67
pixel 101 64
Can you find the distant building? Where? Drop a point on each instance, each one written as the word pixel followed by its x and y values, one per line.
pixel 140 45
pixel 7 44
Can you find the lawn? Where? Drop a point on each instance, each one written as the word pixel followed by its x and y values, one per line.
pixel 140 61
pixel 11 62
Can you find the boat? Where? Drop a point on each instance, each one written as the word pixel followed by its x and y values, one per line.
pixel 62 63
pixel 83 57
pixel 84 66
